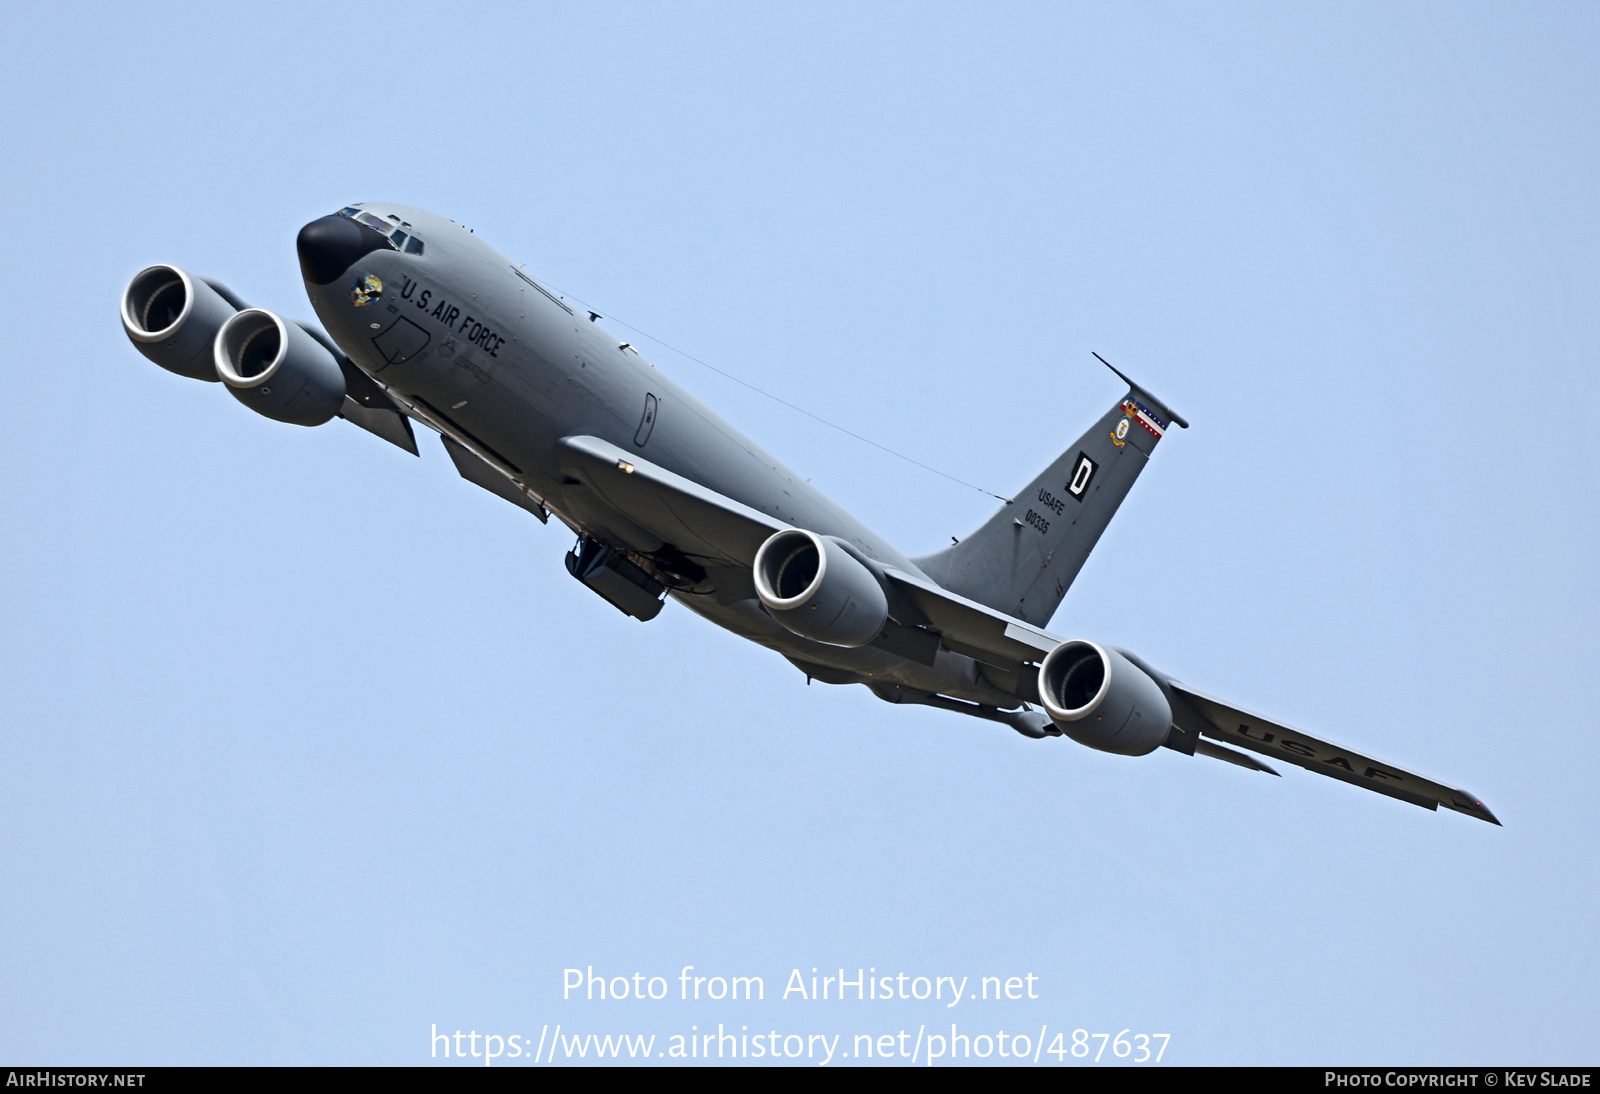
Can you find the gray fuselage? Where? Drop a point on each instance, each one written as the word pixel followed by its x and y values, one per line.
pixel 485 348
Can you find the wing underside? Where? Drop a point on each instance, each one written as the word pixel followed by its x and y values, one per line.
pixel 698 521
pixel 1242 729
pixel 703 523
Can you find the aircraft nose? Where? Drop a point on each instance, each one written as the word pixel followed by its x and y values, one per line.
pixel 330 245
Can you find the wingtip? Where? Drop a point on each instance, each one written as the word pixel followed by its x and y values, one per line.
pixel 1482 812
pixel 1476 809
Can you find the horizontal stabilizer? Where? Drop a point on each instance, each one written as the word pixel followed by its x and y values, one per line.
pixel 1144 393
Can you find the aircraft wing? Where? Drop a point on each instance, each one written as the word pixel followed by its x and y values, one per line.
pixel 1008 645
pixel 974 629
pixel 1243 729
pixel 702 522
pixel 706 524
pixel 696 520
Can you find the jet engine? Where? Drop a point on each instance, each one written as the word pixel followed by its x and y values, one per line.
pixel 173 318
pixel 816 589
pixel 1099 698
pixel 278 370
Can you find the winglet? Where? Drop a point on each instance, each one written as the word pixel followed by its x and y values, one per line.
pixel 1177 419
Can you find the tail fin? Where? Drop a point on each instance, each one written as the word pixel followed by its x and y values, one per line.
pixel 1025 557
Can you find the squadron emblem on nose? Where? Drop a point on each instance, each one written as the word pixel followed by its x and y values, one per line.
pixel 366 290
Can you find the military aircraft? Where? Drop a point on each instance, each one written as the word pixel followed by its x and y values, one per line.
pixel 535 402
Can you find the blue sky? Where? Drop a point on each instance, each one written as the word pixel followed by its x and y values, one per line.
pixel 310 746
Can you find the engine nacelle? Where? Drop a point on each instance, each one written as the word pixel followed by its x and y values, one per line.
pixel 173 318
pixel 278 370
pixel 1101 699
pixel 816 589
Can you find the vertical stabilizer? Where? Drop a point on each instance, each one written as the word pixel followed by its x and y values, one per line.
pixel 1025 557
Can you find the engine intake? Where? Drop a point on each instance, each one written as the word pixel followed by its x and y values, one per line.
pixel 816 589
pixel 278 370
pixel 1099 698
pixel 173 318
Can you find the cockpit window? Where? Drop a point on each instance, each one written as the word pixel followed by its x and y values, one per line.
pixel 400 241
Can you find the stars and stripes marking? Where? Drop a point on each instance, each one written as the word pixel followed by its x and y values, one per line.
pixel 1144 416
